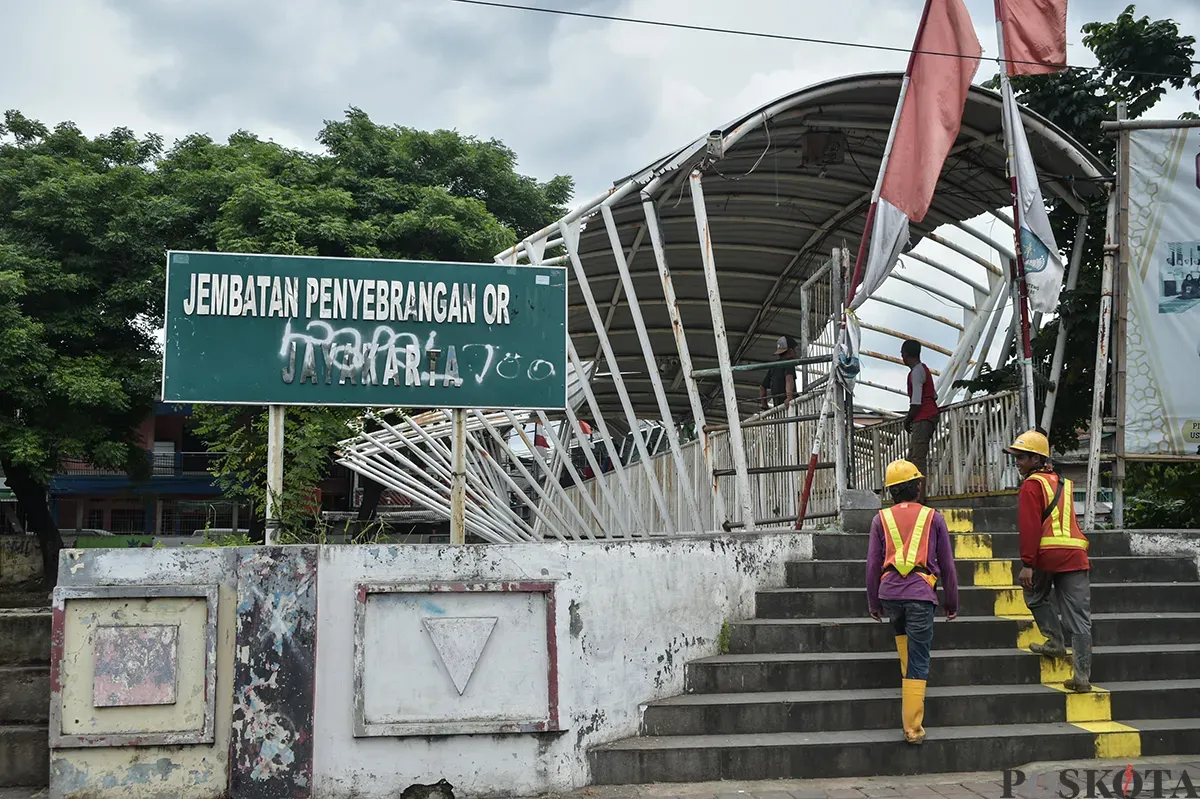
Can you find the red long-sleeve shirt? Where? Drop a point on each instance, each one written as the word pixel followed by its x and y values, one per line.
pixel 1031 502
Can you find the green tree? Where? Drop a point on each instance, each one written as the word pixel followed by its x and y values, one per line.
pixel 376 192
pixel 80 294
pixel 84 225
pixel 1139 60
pixel 1162 495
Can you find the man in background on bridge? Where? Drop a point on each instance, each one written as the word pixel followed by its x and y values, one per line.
pixel 922 408
pixel 779 384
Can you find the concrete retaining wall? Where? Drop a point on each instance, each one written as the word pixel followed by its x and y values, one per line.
pixel 20 560
pixel 358 671
pixel 1165 542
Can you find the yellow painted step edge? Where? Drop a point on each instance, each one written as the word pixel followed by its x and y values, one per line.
pixel 1010 603
pixel 1114 740
pixel 959 520
pixel 1091 711
pixel 970 546
pixel 994 573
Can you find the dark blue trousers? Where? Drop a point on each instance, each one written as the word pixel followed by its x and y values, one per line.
pixel 914 618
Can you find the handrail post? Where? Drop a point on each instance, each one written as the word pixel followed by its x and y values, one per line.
pixel 729 390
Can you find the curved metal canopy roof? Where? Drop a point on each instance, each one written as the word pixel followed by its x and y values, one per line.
pixel 794 181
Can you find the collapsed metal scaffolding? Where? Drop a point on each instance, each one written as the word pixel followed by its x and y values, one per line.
pixel 682 277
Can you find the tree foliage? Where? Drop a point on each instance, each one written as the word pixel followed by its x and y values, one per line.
pixel 84 226
pixel 1162 496
pixel 80 289
pixel 240 436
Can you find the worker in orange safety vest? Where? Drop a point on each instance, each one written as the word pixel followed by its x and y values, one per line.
pixel 908 554
pixel 1054 557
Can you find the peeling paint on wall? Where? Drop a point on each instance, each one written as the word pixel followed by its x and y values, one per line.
pixel 1165 542
pixel 274 673
pixel 576 619
pixel 632 614
pixel 20 560
pixel 84 660
pixel 135 665
pixel 153 778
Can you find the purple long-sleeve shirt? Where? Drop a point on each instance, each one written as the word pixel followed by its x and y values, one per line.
pixel 893 586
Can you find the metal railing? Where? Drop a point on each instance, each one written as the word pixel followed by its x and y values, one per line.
pixel 820 315
pixel 966 454
pixel 671 483
pixel 162 464
pixel 777 444
pixel 186 517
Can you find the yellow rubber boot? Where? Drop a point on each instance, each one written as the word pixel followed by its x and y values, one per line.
pixel 913 696
pixel 902 648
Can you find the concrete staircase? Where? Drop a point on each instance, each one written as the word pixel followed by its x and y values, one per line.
pixel 811 687
pixel 24 690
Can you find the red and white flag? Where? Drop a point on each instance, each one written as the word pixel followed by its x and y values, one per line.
pixel 929 115
pixel 539 438
pixel 1035 35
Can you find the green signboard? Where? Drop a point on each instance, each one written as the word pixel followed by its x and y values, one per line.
pixel 298 330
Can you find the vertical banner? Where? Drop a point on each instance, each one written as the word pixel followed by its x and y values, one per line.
pixel 1162 395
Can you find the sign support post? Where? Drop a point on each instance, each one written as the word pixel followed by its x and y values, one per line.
pixel 275 419
pixel 1121 288
pixel 458 484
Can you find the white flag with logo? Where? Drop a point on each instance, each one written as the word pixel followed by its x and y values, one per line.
pixel 1039 252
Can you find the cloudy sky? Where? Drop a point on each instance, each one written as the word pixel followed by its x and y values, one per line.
pixel 593 99
pixel 590 98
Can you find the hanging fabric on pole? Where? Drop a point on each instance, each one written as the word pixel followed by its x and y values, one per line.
pixel 1039 269
pixel 928 117
pixel 848 365
pixel 1035 35
pixel 1043 265
pixel 539 439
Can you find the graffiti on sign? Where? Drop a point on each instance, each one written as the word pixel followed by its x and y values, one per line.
pixel 20 559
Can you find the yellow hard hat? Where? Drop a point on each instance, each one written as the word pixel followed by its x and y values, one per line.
pixel 1030 441
pixel 901 471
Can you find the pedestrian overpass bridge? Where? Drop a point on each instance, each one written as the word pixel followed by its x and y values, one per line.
pixel 681 279
pixel 682 276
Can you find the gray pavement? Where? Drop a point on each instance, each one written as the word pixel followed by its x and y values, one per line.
pixel 1041 782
